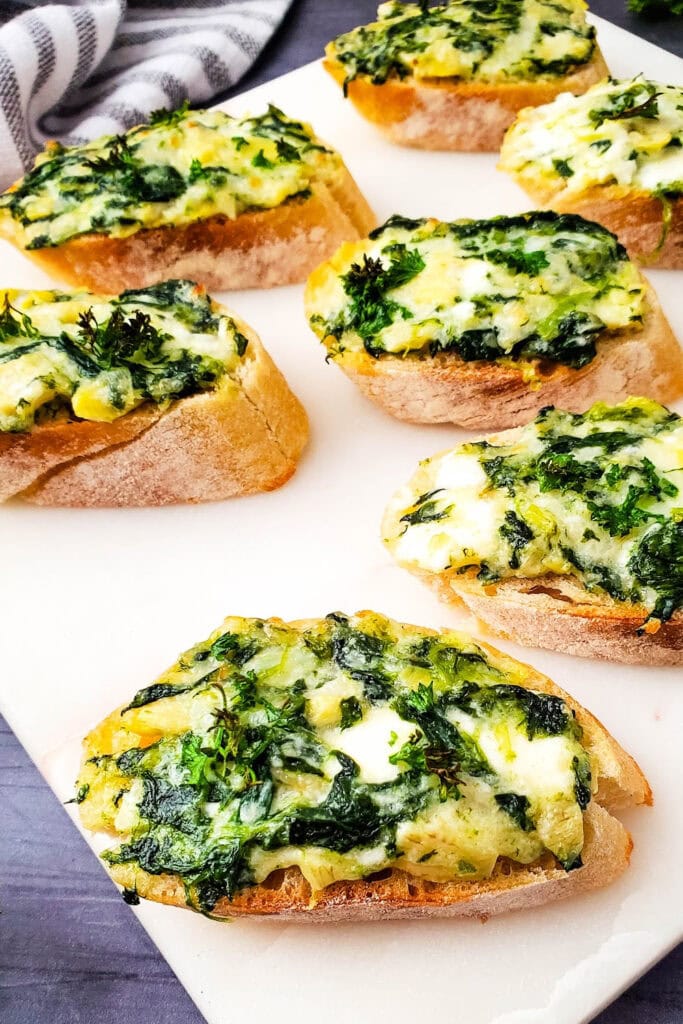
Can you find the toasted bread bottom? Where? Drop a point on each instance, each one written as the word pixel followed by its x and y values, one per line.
pixel 451 114
pixel 492 396
pixel 259 249
pixel 557 613
pixel 244 437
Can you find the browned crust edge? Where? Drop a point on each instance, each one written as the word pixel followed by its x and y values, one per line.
pixel 558 614
pixel 449 114
pixel 287 896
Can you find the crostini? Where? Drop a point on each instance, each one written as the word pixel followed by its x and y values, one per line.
pixel 155 397
pixel 231 202
pixel 354 768
pixel 482 323
pixel 454 75
pixel 565 534
pixel 615 155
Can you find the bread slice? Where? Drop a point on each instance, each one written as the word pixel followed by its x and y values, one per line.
pixel 551 609
pixel 394 893
pixel 481 395
pixel 243 437
pixel 556 612
pixel 259 249
pixel 451 114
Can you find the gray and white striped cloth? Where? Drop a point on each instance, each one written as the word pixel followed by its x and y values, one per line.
pixel 82 68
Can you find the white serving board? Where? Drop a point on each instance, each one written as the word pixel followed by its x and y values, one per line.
pixel 96 603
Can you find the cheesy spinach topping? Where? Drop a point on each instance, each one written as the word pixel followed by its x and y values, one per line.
pixel 75 354
pixel 625 133
pixel 184 166
pixel 597 497
pixel 490 40
pixel 534 286
pixel 342 746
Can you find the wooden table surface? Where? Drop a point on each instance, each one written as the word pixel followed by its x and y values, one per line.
pixel 70 950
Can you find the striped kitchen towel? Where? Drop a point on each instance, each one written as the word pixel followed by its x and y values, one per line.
pixel 82 68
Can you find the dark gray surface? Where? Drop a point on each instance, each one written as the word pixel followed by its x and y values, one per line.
pixel 70 950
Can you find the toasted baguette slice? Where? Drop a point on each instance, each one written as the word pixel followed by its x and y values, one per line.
pixel 230 202
pixel 391 357
pixel 494 395
pixel 549 609
pixel 451 114
pixel 647 223
pixel 259 249
pixel 395 893
pixel 243 437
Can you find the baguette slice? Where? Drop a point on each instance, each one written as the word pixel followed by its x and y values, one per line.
pixel 243 437
pixel 394 893
pixel 480 395
pixel 451 114
pixel 259 249
pixel 551 610
pixel 231 202
pixel 637 353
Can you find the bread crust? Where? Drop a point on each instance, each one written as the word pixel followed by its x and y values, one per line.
pixel 258 249
pixel 395 893
pixel 557 613
pixel 451 114
pixel 481 395
pixel 243 437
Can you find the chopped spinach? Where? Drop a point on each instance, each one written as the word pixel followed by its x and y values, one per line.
pixel 517 806
pixel 351 712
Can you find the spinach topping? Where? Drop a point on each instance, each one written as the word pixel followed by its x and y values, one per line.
pixel 619 488
pixel 426 510
pixel 407 36
pixel 119 184
pixel 554 271
pixel 124 350
pixel 367 284
pixel 209 798
pixel 638 100
pixel 518 534
pixel 351 712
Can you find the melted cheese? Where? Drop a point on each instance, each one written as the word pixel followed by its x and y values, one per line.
pixel 578 142
pixel 50 366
